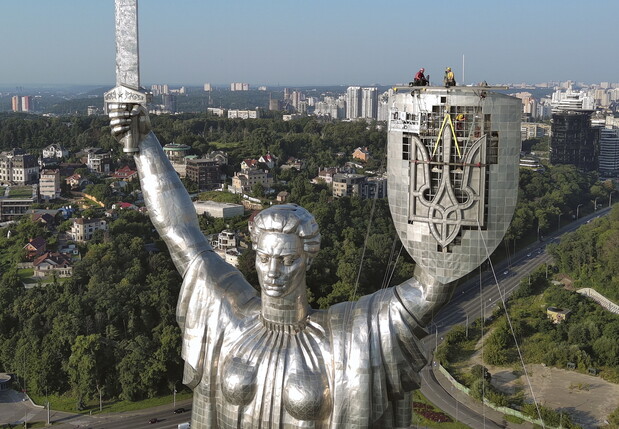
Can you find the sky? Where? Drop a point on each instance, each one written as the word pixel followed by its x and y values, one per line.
pixel 313 42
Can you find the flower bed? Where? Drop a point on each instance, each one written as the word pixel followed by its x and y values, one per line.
pixel 428 412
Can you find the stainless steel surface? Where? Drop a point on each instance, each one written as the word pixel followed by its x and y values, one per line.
pixel 452 162
pixel 127 88
pixel 270 360
pixel 127 54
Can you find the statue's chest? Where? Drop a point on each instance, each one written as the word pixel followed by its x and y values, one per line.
pixel 267 375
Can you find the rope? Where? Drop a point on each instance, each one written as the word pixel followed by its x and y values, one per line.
pixel 394 267
pixel 365 244
pixel 389 263
pixel 481 311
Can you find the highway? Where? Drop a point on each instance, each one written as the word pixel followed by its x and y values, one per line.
pixel 475 298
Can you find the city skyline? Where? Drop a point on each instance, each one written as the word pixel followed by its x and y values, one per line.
pixel 71 42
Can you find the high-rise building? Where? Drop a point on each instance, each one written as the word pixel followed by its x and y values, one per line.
pixel 608 160
pixel 169 103
pixel 205 173
pixel 26 103
pixel 208 87
pixel 353 102
pixel 369 103
pixel 573 140
pixel 239 86
pixel 15 103
pixel 295 99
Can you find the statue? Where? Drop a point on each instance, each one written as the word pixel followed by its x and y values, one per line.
pixel 270 360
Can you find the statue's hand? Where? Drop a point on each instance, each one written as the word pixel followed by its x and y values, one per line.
pixel 130 124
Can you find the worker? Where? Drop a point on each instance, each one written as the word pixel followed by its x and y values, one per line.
pixel 420 78
pixel 459 122
pixel 449 79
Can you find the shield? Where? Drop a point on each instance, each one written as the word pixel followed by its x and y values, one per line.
pixel 452 165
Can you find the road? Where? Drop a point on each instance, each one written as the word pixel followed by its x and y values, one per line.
pixel 475 298
pixel 13 410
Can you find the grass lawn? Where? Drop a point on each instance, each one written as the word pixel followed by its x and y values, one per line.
pixel 223 146
pixel 25 274
pixel 20 192
pixel 68 403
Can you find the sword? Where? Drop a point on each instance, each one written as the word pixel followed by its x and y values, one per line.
pixel 127 88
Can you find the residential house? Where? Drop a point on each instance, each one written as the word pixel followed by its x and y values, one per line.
pixel 361 153
pixel 282 197
pixel 295 163
pixel 244 182
pixel 269 160
pixel 49 185
pixel 46 219
pixel 18 168
pixel 35 248
pixel 53 263
pixel 55 150
pixel 125 173
pixel 249 164
pixel 346 185
pixel 99 160
pixel 124 206
pixel 219 156
pixel 76 181
pixel 326 175
pixel 83 229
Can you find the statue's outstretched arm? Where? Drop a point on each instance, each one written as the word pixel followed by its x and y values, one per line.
pixel 169 205
pixel 423 296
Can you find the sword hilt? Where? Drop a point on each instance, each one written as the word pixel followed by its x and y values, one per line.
pixel 125 95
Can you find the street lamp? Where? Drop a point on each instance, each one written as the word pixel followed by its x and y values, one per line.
pixel 174 394
pixel 595 204
pixel 577 208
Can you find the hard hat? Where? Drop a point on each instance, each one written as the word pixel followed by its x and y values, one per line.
pixel 422 70
pixel 448 68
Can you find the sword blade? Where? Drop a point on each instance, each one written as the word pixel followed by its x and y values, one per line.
pixel 127 55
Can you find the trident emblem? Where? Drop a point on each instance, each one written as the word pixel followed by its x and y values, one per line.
pixel 449 183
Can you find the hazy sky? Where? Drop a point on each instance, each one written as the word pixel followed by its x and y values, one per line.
pixel 314 42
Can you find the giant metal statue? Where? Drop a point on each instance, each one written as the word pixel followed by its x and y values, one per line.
pixel 268 360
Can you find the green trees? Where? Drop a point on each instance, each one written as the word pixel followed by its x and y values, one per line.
pixel 590 255
pixel 111 328
pixel 86 365
pixel 561 191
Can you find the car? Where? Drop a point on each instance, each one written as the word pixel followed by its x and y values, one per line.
pixel 179 410
pixel 506 272
pixel 528 255
pixel 151 421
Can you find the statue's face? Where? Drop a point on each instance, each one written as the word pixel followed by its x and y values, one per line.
pixel 281 263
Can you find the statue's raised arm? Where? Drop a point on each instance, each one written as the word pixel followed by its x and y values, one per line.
pixel 169 205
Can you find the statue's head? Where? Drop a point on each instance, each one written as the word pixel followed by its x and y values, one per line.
pixel 286 239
